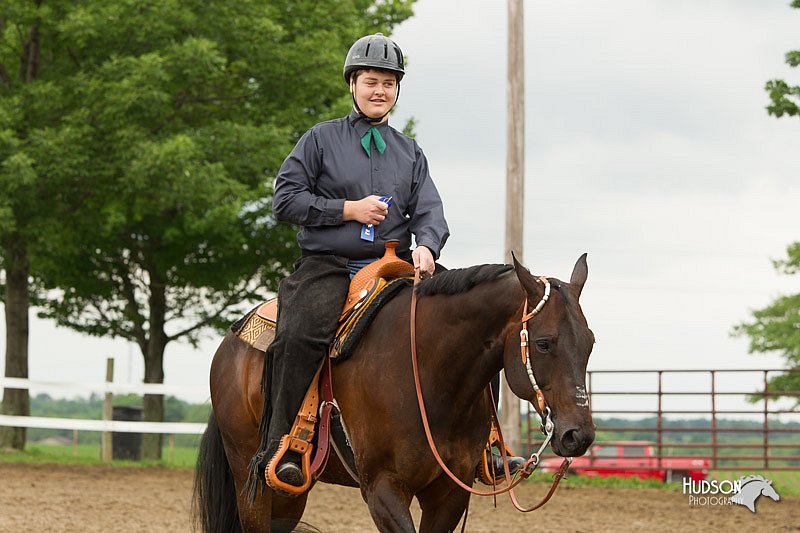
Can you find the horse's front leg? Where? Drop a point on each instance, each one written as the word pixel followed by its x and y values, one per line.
pixel 443 504
pixel 388 500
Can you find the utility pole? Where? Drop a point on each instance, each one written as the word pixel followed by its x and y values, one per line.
pixel 515 189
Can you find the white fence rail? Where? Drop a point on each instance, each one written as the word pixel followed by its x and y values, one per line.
pixel 117 426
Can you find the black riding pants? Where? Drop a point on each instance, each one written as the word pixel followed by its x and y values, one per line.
pixel 310 301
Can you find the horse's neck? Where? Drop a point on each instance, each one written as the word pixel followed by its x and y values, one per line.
pixel 462 336
pixel 753 488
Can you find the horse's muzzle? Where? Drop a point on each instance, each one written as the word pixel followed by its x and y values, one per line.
pixel 574 442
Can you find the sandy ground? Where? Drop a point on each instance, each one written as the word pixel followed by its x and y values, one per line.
pixel 81 498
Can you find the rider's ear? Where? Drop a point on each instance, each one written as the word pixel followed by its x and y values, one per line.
pixel 579 274
pixel 525 277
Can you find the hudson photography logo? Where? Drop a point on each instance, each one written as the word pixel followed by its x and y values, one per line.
pixel 743 491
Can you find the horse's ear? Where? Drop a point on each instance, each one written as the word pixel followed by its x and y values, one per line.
pixel 579 273
pixel 524 276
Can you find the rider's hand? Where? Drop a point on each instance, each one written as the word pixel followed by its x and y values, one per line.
pixel 369 210
pixel 423 258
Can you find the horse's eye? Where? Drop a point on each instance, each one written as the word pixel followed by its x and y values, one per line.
pixel 543 345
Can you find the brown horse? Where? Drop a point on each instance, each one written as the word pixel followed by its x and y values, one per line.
pixel 468 329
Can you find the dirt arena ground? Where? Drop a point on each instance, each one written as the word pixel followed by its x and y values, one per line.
pixel 79 498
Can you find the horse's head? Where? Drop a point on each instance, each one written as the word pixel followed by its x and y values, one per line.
pixel 758 485
pixel 560 342
pixel 769 491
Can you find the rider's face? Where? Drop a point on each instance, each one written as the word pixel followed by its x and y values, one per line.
pixel 375 92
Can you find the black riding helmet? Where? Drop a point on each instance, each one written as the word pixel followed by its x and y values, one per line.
pixel 374 51
pixel 378 52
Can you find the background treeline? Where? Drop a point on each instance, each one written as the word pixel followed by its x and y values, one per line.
pixel 91 408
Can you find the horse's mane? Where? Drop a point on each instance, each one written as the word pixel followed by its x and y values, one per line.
pixel 752 477
pixel 460 280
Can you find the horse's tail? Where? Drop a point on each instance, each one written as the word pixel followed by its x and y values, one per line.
pixel 214 502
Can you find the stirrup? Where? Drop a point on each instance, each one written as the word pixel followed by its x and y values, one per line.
pixel 276 468
pixel 298 441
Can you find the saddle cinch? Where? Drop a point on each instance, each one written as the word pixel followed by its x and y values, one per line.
pixel 372 286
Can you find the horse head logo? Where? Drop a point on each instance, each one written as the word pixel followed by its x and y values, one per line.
pixel 751 488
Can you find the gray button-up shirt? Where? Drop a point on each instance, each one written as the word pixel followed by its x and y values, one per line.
pixel 328 166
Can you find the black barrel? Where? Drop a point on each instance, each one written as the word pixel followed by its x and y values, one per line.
pixel 127 445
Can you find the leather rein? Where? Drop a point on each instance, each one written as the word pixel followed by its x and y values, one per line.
pixel 547 424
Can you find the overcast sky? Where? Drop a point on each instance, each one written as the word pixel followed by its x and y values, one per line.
pixel 647 145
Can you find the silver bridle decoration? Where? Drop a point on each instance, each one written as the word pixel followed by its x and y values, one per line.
pixel 547 422
pixel 524 339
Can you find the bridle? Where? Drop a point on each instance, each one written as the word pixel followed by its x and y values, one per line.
pixel 547 423
pixel 544 410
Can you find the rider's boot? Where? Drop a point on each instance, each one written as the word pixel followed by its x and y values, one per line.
pixel 289 471
pixel 515 464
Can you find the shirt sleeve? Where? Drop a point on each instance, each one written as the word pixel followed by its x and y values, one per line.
pixel 294 200
pixel 425 208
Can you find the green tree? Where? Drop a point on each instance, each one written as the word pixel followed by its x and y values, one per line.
pixel 785 98
pixel 26 189
pixel 177 114
pixel 776 328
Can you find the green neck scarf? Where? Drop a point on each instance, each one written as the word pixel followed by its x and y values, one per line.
pixel 375 135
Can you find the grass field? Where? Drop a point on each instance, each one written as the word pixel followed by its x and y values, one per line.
pixel 89 454
pixel 786 483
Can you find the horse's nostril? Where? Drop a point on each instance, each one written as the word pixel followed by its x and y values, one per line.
pixel 570 440
pixel 575 441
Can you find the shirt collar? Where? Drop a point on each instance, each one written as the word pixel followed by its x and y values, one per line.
pixel 361 125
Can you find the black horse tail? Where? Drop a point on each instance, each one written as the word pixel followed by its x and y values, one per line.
pixel 214 502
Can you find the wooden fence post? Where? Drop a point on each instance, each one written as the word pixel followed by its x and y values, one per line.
pixel 108 414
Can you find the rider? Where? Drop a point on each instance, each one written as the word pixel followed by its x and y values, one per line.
pixel 351 184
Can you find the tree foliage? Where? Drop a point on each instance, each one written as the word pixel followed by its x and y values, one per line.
pixel 149 141
pixel 785 97
pixel 776 328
